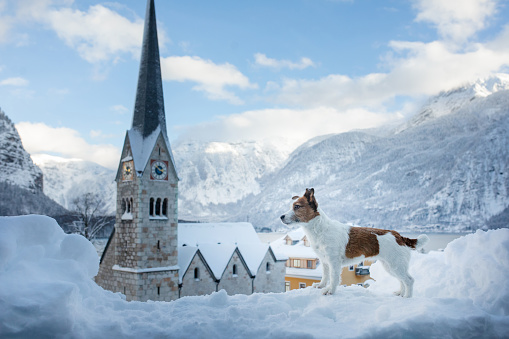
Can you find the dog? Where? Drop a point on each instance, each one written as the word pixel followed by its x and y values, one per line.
pixel 339 245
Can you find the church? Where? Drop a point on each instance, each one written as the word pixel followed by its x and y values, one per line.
pixel 150 255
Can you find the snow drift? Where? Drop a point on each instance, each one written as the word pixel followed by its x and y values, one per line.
pixel 47 290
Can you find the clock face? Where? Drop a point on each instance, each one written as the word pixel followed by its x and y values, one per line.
pixel 127 171
pixel 159 170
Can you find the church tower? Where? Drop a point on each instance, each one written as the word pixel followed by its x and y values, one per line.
pixel 141 257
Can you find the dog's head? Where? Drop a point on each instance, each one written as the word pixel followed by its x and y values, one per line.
pixel 304 209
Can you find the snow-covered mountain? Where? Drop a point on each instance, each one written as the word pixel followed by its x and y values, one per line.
pixel 217 176
pixel 67 179
pixel 21 181
pixel 16 166
pixel 447 167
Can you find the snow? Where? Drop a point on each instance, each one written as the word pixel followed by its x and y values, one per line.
pixel 48 291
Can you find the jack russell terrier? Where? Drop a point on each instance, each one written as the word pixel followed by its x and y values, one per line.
pixel 339 245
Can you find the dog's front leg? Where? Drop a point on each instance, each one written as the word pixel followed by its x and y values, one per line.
pixel 335 277
pixel 325 276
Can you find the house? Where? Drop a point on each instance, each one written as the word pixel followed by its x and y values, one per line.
pixel 303 267
pixel 229 256
pixel 150 255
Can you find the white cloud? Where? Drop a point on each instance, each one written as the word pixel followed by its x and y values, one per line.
pixel 98 34
pixel 119 109
pixel 296 126
pixel 416 69
pixel 16 81
pixel 455 20
pixel 66 142
pixel 263 60
pixel 211 78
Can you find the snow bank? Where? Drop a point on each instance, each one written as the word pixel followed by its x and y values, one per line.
pixel 47 291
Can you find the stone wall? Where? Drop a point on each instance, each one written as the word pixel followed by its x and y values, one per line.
pixel 272 280
pixel 205 284
pixel 241 283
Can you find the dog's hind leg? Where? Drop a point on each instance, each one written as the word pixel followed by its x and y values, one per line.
pixel 400 272
pixel 325 276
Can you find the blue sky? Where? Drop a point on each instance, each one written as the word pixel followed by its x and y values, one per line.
pixel 237 70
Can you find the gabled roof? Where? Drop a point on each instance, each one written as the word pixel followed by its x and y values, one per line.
pixel 141 148
pixel 298 250
pixel 218 241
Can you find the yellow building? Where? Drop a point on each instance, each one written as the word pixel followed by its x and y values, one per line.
pixel 303 267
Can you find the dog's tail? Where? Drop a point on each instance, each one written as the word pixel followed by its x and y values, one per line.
pixel 421 241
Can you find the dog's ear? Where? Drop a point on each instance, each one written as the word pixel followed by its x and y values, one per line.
pixel 295 197
pixel 310 196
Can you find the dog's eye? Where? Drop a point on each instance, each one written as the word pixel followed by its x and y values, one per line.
pixel 296 207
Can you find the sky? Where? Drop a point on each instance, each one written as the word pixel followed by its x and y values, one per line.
pixel 237 70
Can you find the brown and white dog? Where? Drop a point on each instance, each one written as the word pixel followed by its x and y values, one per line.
pixel 339 245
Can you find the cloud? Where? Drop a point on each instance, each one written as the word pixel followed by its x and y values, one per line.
pixel 416 69
pixel 263 60
pixel 98 34
pixel 119 109
pixel 66 142
pixel 455 20
pixel 16 81
pixel 211 78
pixel 294 125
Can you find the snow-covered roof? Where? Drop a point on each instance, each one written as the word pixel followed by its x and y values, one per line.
pixel 217 243
pixel 141 147
pixel 305 272
pixel 294 251
pixel 185 256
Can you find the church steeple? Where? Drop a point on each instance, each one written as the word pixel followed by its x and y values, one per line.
pixel 149 105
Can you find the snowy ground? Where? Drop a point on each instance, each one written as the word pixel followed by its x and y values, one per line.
pixel 47 291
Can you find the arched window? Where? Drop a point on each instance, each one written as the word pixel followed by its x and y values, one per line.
pixel 234 270
pixel 158 206
pixel 132 206
pixel 151 207
pixel 124 206
pixel 165 207
pixel 267 267
pixel 196 273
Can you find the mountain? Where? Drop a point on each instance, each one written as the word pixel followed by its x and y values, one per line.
pixel 16 166
pixel 67 179
pixel 21 181
pixel 446 169
pixel 215 177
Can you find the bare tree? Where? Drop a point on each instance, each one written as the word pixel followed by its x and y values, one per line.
pixel 91 215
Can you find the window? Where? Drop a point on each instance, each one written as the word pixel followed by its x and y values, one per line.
pixel 295 242
pixel 165 207
pixel 196 274
pixel 158 290
pixel 287 286
pixel 267 268
pixel 234 270
pixel 361 264
pixel 350 268
pixel 302 285
pixel 158 206
pixel 151 207
pixel 310 263
pixel 296 262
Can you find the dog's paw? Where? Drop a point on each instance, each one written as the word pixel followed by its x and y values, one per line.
pixel 328 291
pixel 318 285
pixel 397 293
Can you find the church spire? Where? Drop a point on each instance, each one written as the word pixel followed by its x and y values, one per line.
pixel 149 105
